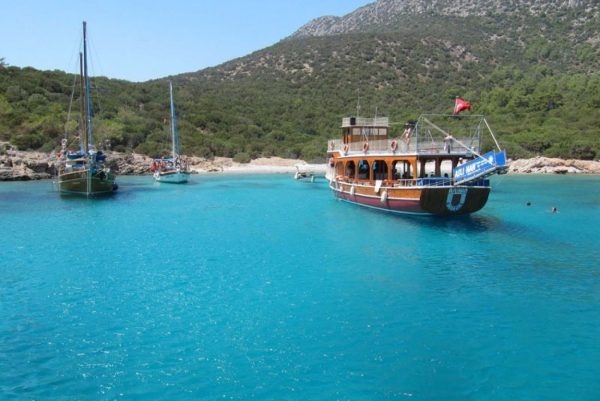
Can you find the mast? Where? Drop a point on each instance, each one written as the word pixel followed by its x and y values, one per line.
pixel 83 143
pixel 88 115
pixel 88 108
pixel 174 139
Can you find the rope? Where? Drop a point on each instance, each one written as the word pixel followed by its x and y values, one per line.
pixel 70 105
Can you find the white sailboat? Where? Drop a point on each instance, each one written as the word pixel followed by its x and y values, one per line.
pixel 174 169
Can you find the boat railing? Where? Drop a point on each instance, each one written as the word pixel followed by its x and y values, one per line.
pixel 380 145
pixel 396 145
pixel 447 147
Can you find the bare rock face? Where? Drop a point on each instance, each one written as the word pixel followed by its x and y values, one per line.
pixel 546 165
pixel 129 163
pixel 21 166
pixel 385 12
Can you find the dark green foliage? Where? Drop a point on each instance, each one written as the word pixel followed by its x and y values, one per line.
pixel 536 79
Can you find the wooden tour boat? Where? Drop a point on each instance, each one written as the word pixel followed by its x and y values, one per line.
pixel 433 168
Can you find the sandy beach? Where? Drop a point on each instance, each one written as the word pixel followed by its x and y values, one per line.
pixel 263 165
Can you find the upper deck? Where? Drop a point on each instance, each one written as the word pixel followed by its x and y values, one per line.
pixel 430 135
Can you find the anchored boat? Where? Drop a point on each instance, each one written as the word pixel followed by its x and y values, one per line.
pixel 82 171
pixel 174 169
pixel 432 168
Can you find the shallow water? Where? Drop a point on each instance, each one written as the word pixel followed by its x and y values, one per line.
pixel 262 287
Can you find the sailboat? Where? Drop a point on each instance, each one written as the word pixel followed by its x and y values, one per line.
pixel 82 171
pixel 174 169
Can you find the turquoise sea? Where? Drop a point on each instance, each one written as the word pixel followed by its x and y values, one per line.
pixel 266 288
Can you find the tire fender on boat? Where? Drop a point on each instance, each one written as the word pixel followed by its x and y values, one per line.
pixel 384 196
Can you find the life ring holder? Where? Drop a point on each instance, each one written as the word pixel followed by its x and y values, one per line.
pixel 366 147
pixel 394 146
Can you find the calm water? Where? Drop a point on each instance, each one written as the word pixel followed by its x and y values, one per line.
pixel 265 288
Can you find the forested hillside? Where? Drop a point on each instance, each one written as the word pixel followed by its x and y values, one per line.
pixel 533 70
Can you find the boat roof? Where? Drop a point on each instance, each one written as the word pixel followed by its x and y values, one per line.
pixel 365 122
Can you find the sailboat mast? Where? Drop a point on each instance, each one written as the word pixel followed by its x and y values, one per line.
pixel 83 133
pixel 174 140
pixel 88 108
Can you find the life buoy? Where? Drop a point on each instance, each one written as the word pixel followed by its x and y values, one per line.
pixel 365 146
pixel 394 145
pixel 346 148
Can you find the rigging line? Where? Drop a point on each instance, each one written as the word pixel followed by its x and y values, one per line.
pixel 73 66
pixel 70 104
pixel 93 77
pixel 447 135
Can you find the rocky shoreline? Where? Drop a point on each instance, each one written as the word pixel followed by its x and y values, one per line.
pixel 546 165
pixel 23 166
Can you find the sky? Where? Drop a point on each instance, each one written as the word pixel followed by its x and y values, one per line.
pixel 141 40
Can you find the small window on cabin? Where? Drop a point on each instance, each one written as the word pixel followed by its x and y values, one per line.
pixel 363 170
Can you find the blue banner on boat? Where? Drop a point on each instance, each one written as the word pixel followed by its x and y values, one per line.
pixel 482 166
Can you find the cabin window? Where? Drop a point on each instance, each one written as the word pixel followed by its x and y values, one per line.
pixel 346 135
pixel 446 168
pixel 351 169
pixel 401 170
pixel 427 169
pixel 380 170
pixel 363 170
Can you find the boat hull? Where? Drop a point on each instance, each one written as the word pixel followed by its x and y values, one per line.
pixel 76 183
pixel 176 177
pixel 440 201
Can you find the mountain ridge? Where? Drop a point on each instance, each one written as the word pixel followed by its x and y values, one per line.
pixel 387 12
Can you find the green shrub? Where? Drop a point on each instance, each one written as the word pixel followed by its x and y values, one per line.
pixel 242 157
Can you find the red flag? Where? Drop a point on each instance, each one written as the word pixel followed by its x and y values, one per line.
pixel 461 105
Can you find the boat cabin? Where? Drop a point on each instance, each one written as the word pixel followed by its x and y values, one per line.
pixel 419 153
